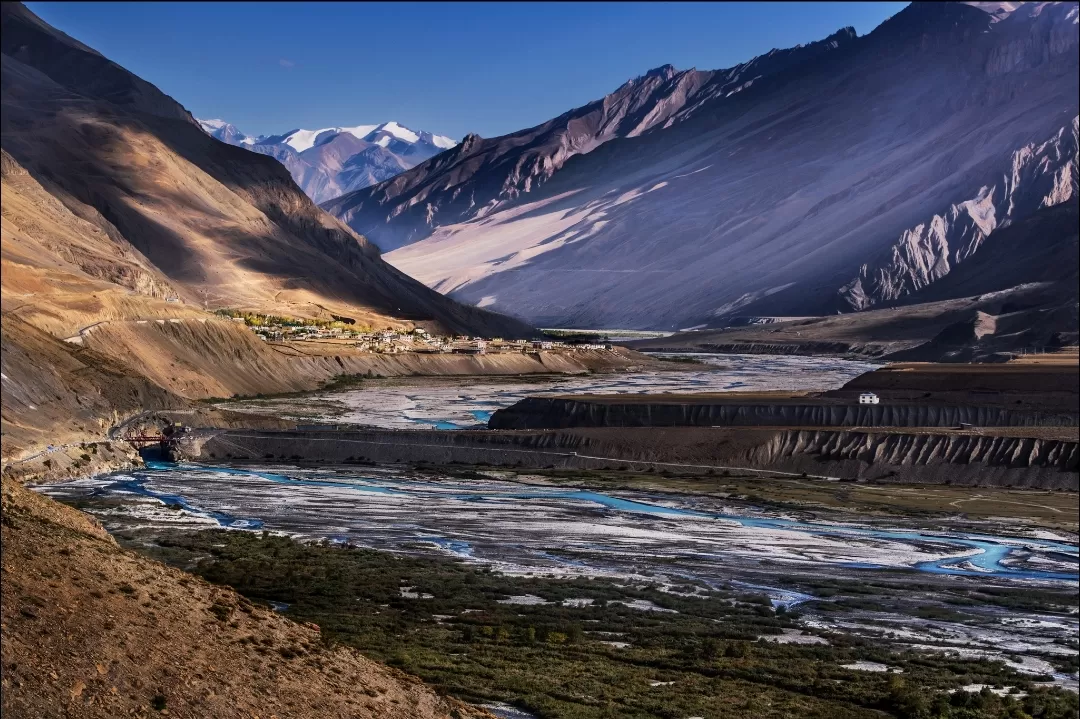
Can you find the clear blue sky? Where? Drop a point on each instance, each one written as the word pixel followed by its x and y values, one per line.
pixel 450 68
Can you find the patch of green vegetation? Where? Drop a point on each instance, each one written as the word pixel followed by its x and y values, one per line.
pixel 562 661
pixel 256 319
pixel 680 360
pixel 1028 599
pixel 347 381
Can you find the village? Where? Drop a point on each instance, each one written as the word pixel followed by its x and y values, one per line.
pixel 275 329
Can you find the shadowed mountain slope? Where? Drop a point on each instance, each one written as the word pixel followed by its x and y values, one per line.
pixel 481 175
pixel 856 176
pixel 215 225
pixel 1019 293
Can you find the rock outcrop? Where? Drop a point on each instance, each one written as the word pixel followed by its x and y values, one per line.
pixel 1040 175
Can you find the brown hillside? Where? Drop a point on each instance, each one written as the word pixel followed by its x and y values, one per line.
pixel 91 630
pixel 218 224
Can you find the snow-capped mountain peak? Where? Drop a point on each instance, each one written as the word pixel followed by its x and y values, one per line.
pixel 384 150
pixel 382 135
pixel 224 131
pixel 400 132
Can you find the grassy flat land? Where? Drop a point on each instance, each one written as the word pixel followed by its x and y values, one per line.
pixel 448 623
pixel 1049 509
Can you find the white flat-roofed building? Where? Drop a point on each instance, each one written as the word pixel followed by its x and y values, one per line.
pixel 868 398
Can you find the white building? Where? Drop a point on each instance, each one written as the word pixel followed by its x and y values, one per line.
pixel 868 398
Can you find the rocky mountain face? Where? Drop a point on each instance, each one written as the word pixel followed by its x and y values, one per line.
pixel 330 162
pixel 1040 175
pixel 836 177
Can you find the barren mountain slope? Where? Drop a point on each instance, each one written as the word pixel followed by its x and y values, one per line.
pixel 851 179
pixel 62 272
pixel 221 226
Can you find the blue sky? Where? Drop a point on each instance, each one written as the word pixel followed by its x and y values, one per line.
pixel 450 68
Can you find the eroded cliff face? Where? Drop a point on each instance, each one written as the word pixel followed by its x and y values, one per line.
pixel 881 456
pixel 908 449
pixel 560 412
pixel 959 459
pixel 1035 176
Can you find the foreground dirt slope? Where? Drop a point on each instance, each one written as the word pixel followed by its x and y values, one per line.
pixel 91 630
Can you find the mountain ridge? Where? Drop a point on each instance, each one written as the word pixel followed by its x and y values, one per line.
pixel 770 199
pixel 117 206
pixel 661 96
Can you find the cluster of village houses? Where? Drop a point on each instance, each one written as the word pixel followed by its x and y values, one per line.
pixel 418 340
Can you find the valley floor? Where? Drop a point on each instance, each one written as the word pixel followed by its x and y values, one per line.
pixel 608 594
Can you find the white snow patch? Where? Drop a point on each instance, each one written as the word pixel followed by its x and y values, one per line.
pixel 862 666
pixel 360 131
pixel 582 602
pixel 528 600
pixel 400 132
pixel 794 636
pixel 644 605
pixel 305 139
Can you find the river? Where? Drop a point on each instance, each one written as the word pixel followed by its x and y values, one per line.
pixel 461 403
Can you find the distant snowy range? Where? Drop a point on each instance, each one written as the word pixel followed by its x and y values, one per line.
pixel 330 162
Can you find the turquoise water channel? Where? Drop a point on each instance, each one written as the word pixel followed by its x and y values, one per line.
pixel 984 555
